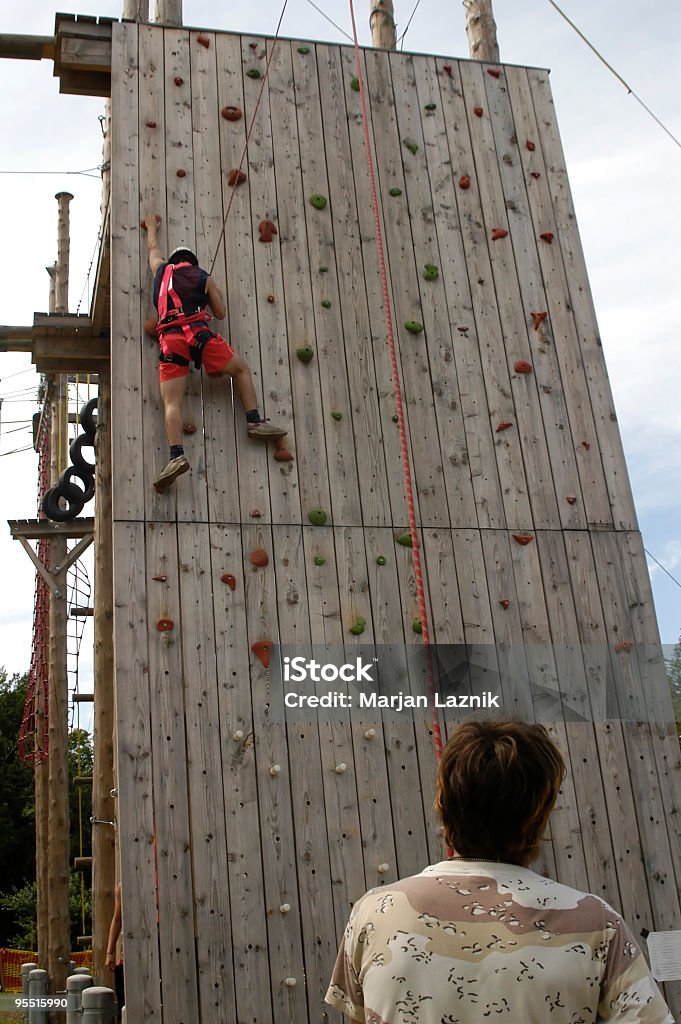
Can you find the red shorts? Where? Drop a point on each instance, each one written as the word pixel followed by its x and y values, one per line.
pixel 215 356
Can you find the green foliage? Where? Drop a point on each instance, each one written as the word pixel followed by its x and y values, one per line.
pixel 20 908
pixel 674 675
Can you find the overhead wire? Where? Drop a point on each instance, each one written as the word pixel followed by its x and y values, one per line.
pixel 85 173
pixel 411 18
pixel 330 20
pixel 673 578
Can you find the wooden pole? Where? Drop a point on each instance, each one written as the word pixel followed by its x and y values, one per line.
pixel 168 12
pixel 382 24
pixel 481 30
pixel 63 252
pixel 136 10
pixel 103 836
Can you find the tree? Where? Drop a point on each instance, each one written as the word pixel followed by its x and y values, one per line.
pixel 674 675
pixel 19 906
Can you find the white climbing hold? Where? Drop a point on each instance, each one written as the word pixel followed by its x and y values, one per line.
pixel 275 769
pixel 284 908
pixel 382 868
pixel 369 734
pixel 291 982
pixel 340 768
pixel 238 735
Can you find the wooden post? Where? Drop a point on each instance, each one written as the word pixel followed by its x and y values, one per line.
pixel 103 836
pixel 481 30
pixel 63 248
pixel 168 12
pixel 136 10
pixel 382 24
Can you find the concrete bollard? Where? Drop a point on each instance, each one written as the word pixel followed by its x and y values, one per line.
pixel 75 985
pixel 25 971
pixel 98 1005
pixel 38 986
pixel 83 971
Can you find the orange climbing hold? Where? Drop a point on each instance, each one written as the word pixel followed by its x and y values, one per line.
pixel 262 650
pixel 522 538
pixel 504 603
pixel 464 181
pixel 499 233
pixel 260 557
pixel 530 145
pixel 537 319
pixel 164 625
pixel 522 366
pixel 256 514
pixel 283 455
pixel 236 177
pixel 504 425
pixel 494 72
pixel 547 236
pixel 159 579
pixel 229 579
pixel 203 41
pixel 478 111
pixel 623 645
pixel 232 113
pixel 267 230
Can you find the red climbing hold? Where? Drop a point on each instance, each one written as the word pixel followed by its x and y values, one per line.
pixel 522 538
pixel 547 236
pixel 530 145
pixel 256 514
pixel 270 299
pixel 478 111
pixel 229 579
pixel 447 68
pixel 463 330
pixel 537 319
pixel 494 72
pixel 504 425
pixel 164 625
pixel 181 173
pixel 522 366
pixel 283 455
pixel 253 46
pixel 262 649
pixel 178 80
pixel 623 645
pixel 585 445
pixel 504 603
pixel 535 174
pixel 151 124
pixel 150 327
pixel 464 181
pixel 232 113
pixel 267 230
pixel 570 498
pixel 203 41
pixel 236 177
pixel 159 579
pixel 260 557
pixel 499 233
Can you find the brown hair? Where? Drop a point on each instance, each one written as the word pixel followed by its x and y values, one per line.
pixel 497 784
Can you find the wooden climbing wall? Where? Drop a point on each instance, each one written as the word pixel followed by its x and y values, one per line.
pixel 238 878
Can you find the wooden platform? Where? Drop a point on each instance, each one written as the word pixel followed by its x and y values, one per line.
pixel 254 870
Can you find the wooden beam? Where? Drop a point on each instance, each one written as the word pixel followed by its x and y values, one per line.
pixel 33 529
pixel 23 47
pixel 83 698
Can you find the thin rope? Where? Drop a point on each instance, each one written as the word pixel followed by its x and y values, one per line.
pixel 250 130
pixel 408 485
pixel 411 18
pixel 663 568
pixel 330 20
pixel 615 73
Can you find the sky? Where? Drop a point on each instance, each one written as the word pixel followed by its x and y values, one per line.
pixel 624 172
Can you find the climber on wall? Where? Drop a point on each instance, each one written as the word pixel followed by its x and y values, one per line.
pixel 182 291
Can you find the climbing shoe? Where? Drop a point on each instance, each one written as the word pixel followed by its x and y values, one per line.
pixel 176 467
pixel 265 431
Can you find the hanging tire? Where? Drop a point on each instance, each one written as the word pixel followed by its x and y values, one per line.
pixel 88 419
pixel 77 457
pixel 53 509
pixel 72 491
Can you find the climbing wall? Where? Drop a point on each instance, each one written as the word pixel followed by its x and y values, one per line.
pixel 245 835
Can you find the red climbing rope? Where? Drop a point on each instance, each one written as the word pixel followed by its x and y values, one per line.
pixel 408 485
pixel 250 131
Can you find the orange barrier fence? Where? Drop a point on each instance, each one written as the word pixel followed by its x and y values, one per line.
pixel 12 959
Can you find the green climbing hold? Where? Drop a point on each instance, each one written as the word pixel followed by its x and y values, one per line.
pixel 317 516
pixel 303 49
pixel 318 201
pixel 354 85
pixel 416 626
pixel 358 625
pixel 405 540
pixel 395 191
pixel 253 73
pixel 413 326
pixel 319 559
pixel 335 415
pixel 396 418
pixel 323 270
pixel 413 147
pixel 431 106
pixel 431 272
pixel 380 560
pixel 326 304
pixel 305 354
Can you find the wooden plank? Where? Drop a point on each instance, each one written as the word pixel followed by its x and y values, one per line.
pixel 127 436
pixel 218 406
pixel 315 477
pixel 184 227
pixel 398 74
pixel 176 923
pixel 135 805
pixel 513 320
pixel 321 226
pixel 560 328
pixel 464 216
pixel 85 55
pixel 378 342
pixel 510 144
pixel 248 909
pixel 607 432
pixel 278 849
pixel 345 261
pixel 205 742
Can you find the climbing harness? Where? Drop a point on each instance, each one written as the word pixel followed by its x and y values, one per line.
pixel 176 317
pixel 408 485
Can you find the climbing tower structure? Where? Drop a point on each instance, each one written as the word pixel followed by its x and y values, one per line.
pixel 245 836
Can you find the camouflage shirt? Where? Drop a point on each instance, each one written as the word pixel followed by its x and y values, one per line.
pixel 471 942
